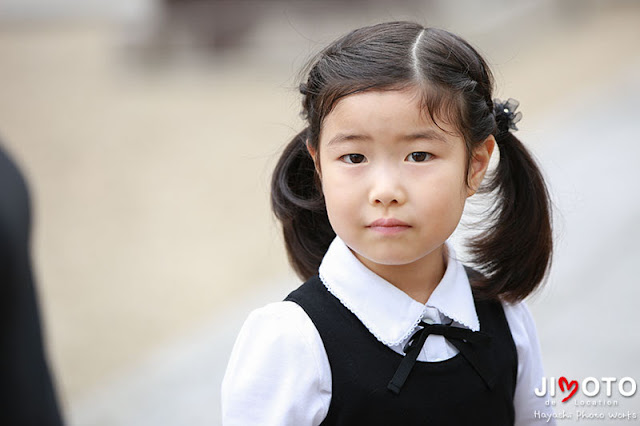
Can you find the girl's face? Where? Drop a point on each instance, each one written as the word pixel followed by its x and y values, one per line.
pixel 381 158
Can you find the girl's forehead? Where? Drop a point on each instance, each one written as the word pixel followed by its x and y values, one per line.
pixel 384 111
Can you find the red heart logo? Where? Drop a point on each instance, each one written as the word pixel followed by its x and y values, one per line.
pixel 569 384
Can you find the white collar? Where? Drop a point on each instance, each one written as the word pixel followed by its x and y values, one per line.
pixel 389 313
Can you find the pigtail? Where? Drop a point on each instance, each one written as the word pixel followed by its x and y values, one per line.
pixel 515 251
pixel 297 201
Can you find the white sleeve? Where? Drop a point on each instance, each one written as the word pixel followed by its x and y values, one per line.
pixel 278 373
pixel 529 408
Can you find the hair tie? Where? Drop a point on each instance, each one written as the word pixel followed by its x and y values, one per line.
pixel 506 117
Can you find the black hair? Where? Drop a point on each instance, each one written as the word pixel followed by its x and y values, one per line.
pixel 513 254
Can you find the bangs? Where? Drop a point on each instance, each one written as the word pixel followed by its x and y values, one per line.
pixel 438 105
pixel 441 105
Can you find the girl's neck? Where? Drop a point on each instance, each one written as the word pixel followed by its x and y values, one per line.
pixel 417 279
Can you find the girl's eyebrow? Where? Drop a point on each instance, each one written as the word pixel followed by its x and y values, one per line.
pixel 426 134
pixel 344 137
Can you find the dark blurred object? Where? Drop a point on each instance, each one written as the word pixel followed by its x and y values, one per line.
pixel 27 395
pixel 215 24
pixel 219 26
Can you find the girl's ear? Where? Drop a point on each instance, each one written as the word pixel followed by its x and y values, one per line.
pixel 479 164
pixel 312 153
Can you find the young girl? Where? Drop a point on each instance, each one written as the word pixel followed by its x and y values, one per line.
pixel 390 327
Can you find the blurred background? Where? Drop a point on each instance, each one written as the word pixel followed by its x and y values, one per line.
pixel 148 131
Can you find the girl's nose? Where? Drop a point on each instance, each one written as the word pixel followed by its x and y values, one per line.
pixel 386 189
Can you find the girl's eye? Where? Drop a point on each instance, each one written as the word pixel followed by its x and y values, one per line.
pixel 353 158
pixel 418 157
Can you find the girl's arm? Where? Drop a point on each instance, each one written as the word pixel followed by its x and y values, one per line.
pixel 278 373
pixel 529 408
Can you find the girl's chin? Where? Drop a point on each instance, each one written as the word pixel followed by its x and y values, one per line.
pixel 386 259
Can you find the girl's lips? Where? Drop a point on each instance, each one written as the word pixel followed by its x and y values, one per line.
pixel 387 222
pixel 389 226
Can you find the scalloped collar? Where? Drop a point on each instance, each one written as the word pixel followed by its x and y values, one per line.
pixel 389 313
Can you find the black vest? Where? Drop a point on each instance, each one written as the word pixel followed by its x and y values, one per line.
pixel 435 393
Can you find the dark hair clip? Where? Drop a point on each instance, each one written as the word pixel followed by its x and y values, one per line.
pixel 506 117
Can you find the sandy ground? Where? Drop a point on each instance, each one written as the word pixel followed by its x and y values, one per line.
pixel 153 236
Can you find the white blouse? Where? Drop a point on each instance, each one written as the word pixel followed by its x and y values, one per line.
pixel 279 373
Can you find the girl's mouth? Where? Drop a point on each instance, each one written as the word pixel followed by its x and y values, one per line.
pixel 388 226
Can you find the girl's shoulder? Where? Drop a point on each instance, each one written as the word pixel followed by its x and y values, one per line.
pixel 283 317
pixel 281 325
pixel 518 315
pixel 523 329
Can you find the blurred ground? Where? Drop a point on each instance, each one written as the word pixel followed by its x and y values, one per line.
pixel 149 160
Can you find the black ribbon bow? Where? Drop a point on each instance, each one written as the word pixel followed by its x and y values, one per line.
pixel 462 338
pixel 506 115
